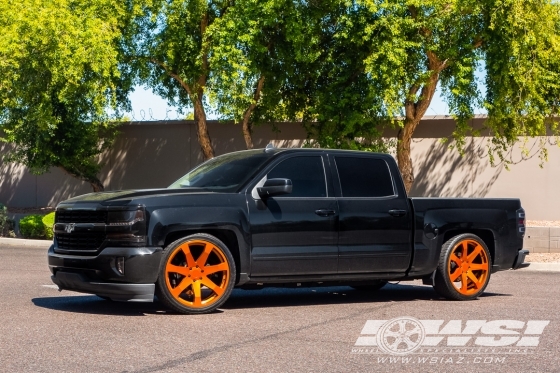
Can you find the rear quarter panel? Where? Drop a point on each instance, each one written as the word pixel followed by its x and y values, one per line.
pixel 493 220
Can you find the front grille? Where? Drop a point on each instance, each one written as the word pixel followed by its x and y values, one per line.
pixel 81 216
pixel 79 240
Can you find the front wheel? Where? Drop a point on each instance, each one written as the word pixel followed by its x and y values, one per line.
pixel 463 270
pixel 197 274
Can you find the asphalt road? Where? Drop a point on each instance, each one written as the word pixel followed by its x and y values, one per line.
pixel 271 330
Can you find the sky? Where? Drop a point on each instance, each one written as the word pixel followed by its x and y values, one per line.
pixel 148 106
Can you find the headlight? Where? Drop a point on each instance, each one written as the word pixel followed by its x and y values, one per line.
pixel 124 218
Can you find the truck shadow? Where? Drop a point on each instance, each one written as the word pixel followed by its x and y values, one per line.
pixel 248 299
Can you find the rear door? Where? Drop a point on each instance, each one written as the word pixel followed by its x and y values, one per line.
pixel 295 234
pixel 374 220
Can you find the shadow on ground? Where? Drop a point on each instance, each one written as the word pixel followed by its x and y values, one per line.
pixel 248 299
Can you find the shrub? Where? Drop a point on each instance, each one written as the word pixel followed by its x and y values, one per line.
pixel 32 227
pixel 3 219
pixel 48 222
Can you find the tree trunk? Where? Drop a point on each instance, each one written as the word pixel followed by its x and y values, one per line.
pixel 415 107
pixel 404 158
pixel 96 185
pixel 247 133
pixel 246 125
pixel 202 129
pixel 93 180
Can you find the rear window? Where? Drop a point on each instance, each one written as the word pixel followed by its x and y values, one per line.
pixel 364 177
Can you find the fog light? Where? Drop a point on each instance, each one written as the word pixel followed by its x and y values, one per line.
pixel 120 265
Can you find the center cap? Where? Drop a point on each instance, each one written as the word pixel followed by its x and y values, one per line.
pixel 195 273
pixel 465 267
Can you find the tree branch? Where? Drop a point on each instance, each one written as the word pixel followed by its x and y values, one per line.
pixel 172 74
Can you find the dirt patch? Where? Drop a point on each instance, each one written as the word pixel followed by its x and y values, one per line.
pixel 543 223
pixel 543 258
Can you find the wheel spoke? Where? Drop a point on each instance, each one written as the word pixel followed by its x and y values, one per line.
pixel 473 278
pixel 453 277
pixel 464 282
pixel 187 251
pixel 197 294
pixel 464 252
pixel 177 290
pixel 177 269
pixel 208 270
pixel 455 258
pixel 201 261
pixel 478 267
pixel 212 286
pixel 475 253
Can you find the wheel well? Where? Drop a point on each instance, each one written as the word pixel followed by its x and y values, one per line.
pixel 228 237
pixel 485 235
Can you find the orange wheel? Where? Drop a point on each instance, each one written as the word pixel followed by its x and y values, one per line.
pixel 464 268
pixel 197 274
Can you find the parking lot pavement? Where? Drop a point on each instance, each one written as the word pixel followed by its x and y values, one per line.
pixel 277 330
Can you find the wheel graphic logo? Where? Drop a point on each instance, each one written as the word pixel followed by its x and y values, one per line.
pixel 401 336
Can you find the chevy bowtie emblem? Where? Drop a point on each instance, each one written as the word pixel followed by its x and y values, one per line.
pixel 69 227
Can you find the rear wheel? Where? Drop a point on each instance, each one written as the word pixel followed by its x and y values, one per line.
pixel 463 270
pixel 197 274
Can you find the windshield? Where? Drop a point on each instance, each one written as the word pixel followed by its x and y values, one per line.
pixel 225 173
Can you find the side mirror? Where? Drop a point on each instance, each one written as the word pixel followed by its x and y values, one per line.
pixel 275 187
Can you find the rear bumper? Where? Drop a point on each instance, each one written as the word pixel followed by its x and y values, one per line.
pixel 99 274
pixel 520 259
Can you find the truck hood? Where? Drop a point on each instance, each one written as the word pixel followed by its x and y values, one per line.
pixel 127 194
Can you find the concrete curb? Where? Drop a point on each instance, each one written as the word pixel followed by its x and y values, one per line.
pixel 542 239
pixel 37 244
pixel 550 267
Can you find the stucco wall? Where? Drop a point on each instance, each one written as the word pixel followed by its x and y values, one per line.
pixel 154 154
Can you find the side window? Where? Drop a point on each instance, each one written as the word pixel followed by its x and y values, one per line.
pixel 307 175
pixel 364 177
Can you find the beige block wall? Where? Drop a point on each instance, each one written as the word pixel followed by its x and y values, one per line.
pixel 154 154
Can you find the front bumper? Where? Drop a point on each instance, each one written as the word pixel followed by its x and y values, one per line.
pixel 99 274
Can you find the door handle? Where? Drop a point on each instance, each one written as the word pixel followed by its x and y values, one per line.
pixel 397 213
pixel 323 212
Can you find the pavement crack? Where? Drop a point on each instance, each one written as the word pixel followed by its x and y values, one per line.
pixel 211 351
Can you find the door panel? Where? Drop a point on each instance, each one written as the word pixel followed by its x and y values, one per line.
pixel 289 238
pixel 372 240
pixel 295 234
pixel 375 224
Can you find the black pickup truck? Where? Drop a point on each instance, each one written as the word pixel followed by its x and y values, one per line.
pixel 280 217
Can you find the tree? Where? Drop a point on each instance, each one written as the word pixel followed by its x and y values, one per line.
pixel 253 56
pixel 169 47
pixel 329 89
pixel 58 77
pixel 412 46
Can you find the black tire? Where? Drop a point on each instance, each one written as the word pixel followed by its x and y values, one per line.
pixel 189 278
pixel 372 287
pixel 455 276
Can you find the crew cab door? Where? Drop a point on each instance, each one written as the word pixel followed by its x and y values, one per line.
pixel 295 233
pixel 375 224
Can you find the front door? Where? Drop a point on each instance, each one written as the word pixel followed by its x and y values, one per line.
pixel 295 234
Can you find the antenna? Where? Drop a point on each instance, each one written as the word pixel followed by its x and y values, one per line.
pixel 269 148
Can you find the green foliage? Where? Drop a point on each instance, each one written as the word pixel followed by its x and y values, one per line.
pixel 32 226
pixel 59 78
pixel 48 222
pixel 3 219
